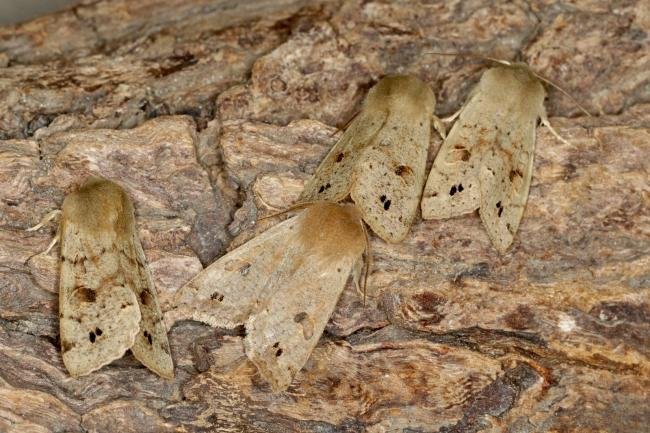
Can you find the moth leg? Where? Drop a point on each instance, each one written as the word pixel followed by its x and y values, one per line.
pixel 546 123
pixel 57 236
pixel 440 126
pixel 54 241
pixel 55 214
pixel 453 116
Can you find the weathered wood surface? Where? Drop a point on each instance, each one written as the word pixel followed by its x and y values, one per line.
pixel 206 111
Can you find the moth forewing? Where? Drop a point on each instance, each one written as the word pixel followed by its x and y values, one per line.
pixel 226 292
pixel 381 158
pixel 101 282
pixel 151 346
pixel 331 181
pixel 282 285
pixel 486 160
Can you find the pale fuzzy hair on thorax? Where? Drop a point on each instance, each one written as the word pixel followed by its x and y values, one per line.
pixel 332 230
pixel 100 207
pixel 516 86
pixel 402 92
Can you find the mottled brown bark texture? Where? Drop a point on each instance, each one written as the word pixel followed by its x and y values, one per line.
pixel 211 113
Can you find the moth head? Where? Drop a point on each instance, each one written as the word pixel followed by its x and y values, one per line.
pixel 100 207
pixel 515 85
pixel 402 92
pixel 332 230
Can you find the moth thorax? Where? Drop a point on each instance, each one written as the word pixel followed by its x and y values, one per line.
pixel 100 206
pixel 514 86
pixel 331 230
pixel 401 92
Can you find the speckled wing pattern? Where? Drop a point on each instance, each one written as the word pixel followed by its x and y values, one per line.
pixel 331 181
pixel 387 181
pixel 486 160
pixel 282 285
pixel 151 345
pixel 98 312
pixel 381 159
pixel 107 301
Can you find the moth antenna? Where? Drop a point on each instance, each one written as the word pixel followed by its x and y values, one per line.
pixel 470 54
pixel 267 205
pixel 289 209
pixel 46 219
pixel 508 63
pixel 350 120
pixel 564 92
pixel 368 260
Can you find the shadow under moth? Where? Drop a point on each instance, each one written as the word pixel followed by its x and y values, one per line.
pixel 380 160
pixel 282 285
pixel 486 161
pixel 107 300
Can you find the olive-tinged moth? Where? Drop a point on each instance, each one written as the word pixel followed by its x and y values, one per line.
pixel 107 300
pixel 282 286
pixel 486 160
pixel 380 160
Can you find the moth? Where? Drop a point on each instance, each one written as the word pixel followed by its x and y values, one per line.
pixel 380 160
pixel 107 299
pixel 486 161
pixel 282 286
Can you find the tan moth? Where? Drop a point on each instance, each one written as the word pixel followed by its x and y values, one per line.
pixel 282 286
pixel 380 160
pixel 107 300
pixel 486 160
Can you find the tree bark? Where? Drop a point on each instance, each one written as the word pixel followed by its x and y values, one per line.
pixel 211 113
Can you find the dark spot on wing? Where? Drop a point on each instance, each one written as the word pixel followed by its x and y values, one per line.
pixel 514 173
pixel 278 352
pixel 276 344
pixel 92 336
pixel 84 294
pixel 460 187
pixel 145 297
pixel 340 157
pixel 99 332
pixel 245 269
pixel 300 317
pixel 403 170
pixel 217 296
pixel 452 191
pixel 148 337
pixel 66 346
pixel 386 204
pixel 382 198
